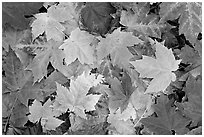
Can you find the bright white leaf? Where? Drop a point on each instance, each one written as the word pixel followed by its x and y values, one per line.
pixel 160 69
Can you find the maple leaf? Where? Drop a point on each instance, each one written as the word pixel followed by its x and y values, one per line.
pixel 50 23
pixel 20 81
pixel 141 21
pixel 13 108
pixel 69 12
pixel 11 37
pixel 140 100
pixel 45 113
pixel 190 17
pixel 116 44
pixel 96 16
pixel 50 53
pixel 14 13
pixel 76 98
pixel 90 126
pixel 16 78
pixel 121 121
pixel 120 92
pixel 45 23
pixel 160 69
pixel 78 46
pixel 167 119
pixel 193 90
pixel 191 56
pixel 128 113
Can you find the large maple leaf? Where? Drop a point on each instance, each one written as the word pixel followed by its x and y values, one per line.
pixel 160 69
pixel 76 99
pixel 190 17
pixel 142 22
pixel 78 46
pixel 116 44
pixel 45 113
pixel 167 119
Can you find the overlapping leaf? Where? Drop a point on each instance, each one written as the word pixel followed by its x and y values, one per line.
pixel 96 16
pixel 190 17
pixel 142 22
pixel 50 53
pixel 14 13
pixel 50 22
pixel 45 113
pixel 193 108
pixel 11 37
pixel 78 46
pixel 120 92
pixel 116 44
pixel 13 108
pixel 190 56
pixel 160 69
pixel 67 13
pixel 121 120
pixel 167 119
pixel 20 81
pixel 76 99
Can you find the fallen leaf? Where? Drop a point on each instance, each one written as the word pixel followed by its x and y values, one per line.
pixel 116 45
pixel 160 69
pixel 45 113
pixel 76 99
pixel 78 46
pixel 189 14
pixel 168 118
